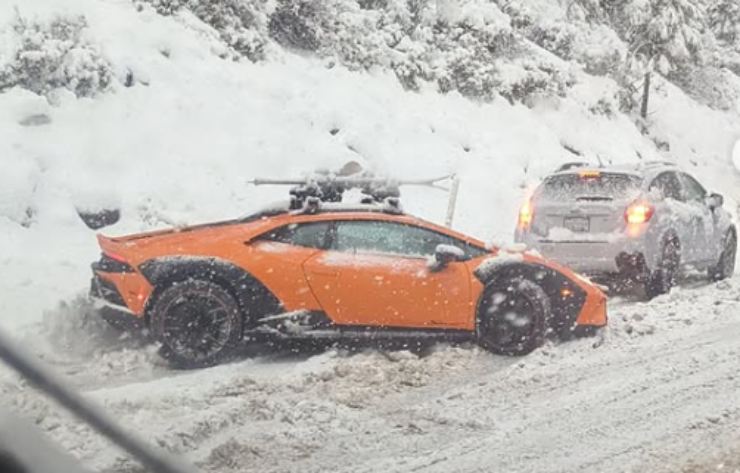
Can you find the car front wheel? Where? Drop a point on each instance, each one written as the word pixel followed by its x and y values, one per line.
pixel 198 323
pixel 512 317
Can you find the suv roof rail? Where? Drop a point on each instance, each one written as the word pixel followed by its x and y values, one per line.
pixel 573 165
pixel 657 162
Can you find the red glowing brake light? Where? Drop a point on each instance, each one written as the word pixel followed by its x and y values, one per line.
pixel 639 212
pixel 526 214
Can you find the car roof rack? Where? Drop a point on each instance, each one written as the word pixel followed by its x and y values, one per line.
pixel 324 191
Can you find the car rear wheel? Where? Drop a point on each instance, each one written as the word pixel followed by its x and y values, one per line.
pixel 512 317
pixel 198 323
pixel 663 278
pixel 726 265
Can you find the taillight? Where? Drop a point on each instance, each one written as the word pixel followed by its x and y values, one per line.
pixel 639 212
pixel 526 214
pixel 112 263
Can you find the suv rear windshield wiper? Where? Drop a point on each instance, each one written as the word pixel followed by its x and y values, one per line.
pixel 594 197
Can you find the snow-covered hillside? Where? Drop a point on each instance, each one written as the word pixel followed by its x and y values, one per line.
pixel 655 392
pixel 129 108
pixel 180 144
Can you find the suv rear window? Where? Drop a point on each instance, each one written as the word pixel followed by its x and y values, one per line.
pixel 592 186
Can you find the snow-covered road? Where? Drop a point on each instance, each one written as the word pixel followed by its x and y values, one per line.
pixel 656 391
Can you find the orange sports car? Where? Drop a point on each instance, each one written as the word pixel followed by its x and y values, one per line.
pixel 334 272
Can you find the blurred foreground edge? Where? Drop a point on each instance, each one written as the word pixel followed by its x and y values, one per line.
pixel 23 449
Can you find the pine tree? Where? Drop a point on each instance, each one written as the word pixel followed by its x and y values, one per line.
pixel 724 20
pixel 662 35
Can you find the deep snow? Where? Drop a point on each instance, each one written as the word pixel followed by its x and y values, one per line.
pixel 182 148
pixel 656 390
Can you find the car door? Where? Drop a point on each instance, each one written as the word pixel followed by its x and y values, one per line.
pixel 376 273
pixel 702 218
pixel 276 259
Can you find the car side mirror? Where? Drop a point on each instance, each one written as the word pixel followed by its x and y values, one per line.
pixel 715 201
pixel 444 255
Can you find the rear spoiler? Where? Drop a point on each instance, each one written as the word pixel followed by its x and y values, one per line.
pixel 113 247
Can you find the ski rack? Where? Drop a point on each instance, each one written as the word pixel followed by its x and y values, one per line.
pixel 309 193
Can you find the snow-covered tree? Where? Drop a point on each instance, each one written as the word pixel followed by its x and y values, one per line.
pixel 665 31
pixel 55 55
pixel 724 19
pixel 662 35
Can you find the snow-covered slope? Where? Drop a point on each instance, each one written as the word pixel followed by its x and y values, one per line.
pixel 182 142
pixel 179 145
pixel 655 391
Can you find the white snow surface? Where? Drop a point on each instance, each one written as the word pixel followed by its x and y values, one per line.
pixel 654 391
pixel 182 148
pixel 657 389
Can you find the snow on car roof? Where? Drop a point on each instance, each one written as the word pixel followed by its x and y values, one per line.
pixel 635 169
pixel 283 207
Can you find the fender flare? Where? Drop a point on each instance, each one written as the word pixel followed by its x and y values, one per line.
pixel 563 312
pixel 253 297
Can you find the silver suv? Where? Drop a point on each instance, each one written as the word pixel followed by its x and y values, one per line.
pixel 641 222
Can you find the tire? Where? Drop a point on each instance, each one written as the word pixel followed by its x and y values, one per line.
pixel 512 317
pixel 198 323
pixel 725 267
pixel 663 278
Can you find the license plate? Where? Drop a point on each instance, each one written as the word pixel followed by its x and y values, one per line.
pixel 576 224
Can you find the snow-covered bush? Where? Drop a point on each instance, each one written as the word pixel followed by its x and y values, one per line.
pixel 557 38
pixel 599 50
pixel 297 23
pixel 521 81
pixel 240 24
pixel 55 55
pixel 237 22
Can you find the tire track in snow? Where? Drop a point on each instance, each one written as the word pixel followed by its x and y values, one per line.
pixel 656 389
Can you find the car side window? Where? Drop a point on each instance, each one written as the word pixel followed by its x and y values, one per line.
pixel 694 191
pixel 371 236
pixel 668 186
pixel 310 235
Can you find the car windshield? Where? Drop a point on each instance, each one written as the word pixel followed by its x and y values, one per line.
pixel 595 186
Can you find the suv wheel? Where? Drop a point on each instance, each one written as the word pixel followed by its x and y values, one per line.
pixel 726 265
pixel 512 317
pixel 198 323
pixel 663 278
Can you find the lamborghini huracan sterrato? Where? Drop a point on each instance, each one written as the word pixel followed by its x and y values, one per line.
pixel 333 272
